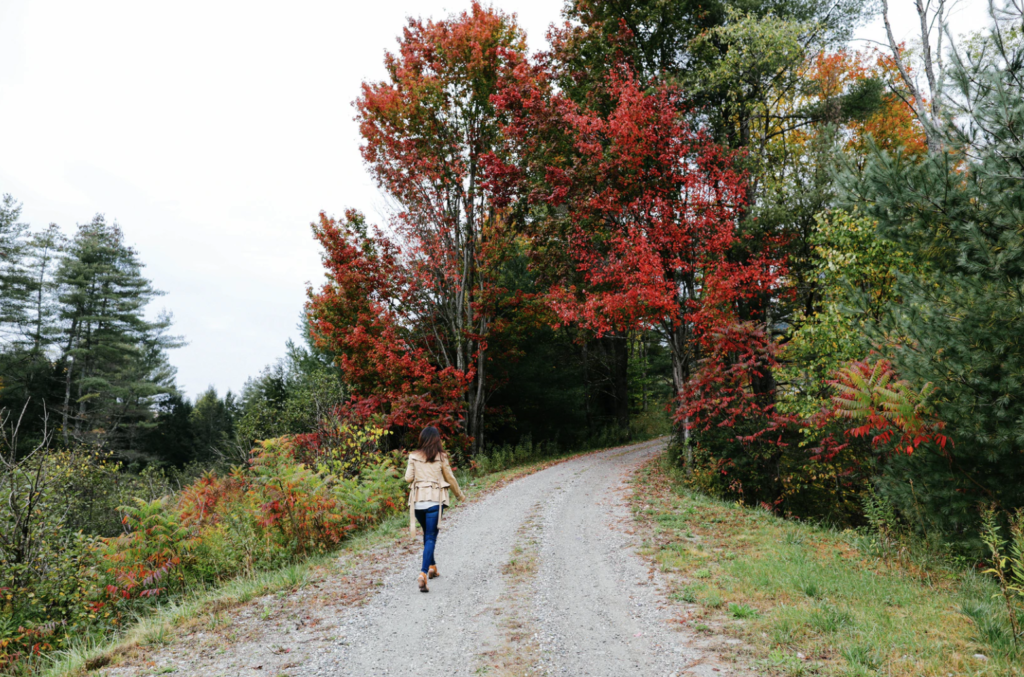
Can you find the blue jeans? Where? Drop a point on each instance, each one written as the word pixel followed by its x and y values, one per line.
pixel 428 520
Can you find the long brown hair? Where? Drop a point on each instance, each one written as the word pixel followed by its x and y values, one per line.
pixel 430 443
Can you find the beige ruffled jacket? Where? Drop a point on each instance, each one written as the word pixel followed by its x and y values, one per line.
pixel 430 482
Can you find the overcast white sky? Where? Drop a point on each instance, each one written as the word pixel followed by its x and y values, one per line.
pixel 214 132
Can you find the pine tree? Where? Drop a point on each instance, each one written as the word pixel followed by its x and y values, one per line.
pixel 172 439
pixel 13 294
pixel 40 322
pixel 114 359
pixel 960 323
pixel 27 319
pixel 213 423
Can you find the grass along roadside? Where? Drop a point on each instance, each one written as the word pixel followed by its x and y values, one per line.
pixel 167 622
pixel 805 600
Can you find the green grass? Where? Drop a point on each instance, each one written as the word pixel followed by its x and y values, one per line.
pixel 810 602
pixel 742 611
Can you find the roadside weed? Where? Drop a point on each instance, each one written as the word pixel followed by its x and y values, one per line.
pixel 862 656
pixel 712 599
pixel 791 665
pixel 688 594
pixel 810 588
pixel 828 618
pixel 160 634
pixel 742 611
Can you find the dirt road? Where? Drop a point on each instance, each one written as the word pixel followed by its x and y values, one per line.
pixel 539 577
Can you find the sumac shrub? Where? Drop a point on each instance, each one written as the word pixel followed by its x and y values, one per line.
pixel 274 511
pixel 60 581
pixel 744 446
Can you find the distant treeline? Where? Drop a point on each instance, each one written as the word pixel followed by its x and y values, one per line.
pixel 81 362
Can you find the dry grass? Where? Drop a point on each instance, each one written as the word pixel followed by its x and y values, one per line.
pixel 806 601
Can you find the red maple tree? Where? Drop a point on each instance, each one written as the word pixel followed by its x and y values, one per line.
pixel 363 314
pixel 643 207
pixel 426 129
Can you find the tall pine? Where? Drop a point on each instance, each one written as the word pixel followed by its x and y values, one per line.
pixel 960 322
pixel 115 368
pixel 13 291
pixel 27 319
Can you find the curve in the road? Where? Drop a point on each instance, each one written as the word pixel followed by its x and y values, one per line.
pixel 539 577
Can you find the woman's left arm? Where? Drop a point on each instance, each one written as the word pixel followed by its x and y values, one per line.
pixel 449 477
pixel 410 471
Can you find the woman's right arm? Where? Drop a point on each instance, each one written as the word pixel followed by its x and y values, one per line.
pixel 449 476
pixel 410 471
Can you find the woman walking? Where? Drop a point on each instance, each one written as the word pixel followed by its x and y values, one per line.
pixel 431 475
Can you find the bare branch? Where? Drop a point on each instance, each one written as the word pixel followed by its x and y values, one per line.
pixel 931 135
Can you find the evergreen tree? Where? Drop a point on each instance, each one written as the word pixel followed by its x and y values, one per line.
pixel 960 320
pixel 213 424
pixel 27 319
pixel 114 359
pixel 288 397
pixel 40 319
pixel 172 439
pixel 13 293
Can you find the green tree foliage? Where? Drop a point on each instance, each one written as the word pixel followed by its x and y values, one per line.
pixel 114 358
pixel 958 320
pixel 657 37
pixel 29 374
pixel 565 386
pixel 172 438
pixel 212 420
pixel 13 291
pixel 77 346
pixel 288 397
pixel 41 329
pixel 855 273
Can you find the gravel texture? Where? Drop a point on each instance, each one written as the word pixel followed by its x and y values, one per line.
pixel 587 604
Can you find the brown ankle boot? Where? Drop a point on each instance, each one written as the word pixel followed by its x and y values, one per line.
pixel 421 580
pixel 432 571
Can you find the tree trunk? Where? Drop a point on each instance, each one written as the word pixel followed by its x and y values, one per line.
pixel 586 384
pixel 682 357
pixel 643 373
pixel 620 378
pixel 478 396
pixel 69 364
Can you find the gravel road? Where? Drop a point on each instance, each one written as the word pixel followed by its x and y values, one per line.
pixel 566 595
pixel 539 577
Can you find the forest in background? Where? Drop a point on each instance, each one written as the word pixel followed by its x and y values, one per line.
pixel 715 220
pixel 82 366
